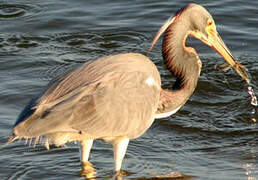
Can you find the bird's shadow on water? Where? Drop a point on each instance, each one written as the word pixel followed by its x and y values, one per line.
pixel 89 172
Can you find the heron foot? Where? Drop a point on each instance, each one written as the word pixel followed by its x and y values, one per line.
pixel 88 170
pixel 120 174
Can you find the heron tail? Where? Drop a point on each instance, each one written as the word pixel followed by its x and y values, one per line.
pixel 12 139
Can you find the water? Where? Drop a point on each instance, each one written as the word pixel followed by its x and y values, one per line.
pixel 253 97
pixel 253 101
pixel 212 137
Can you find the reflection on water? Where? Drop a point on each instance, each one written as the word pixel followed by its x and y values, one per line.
pixel 89 172
pixel 250 170
pixel 252 167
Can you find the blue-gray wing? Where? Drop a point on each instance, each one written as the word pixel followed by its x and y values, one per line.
pixel 113 101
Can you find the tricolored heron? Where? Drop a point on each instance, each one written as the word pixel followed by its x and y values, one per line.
pixel 117 98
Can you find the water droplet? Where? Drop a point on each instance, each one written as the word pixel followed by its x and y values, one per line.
pixel 253 102
pixel 253 97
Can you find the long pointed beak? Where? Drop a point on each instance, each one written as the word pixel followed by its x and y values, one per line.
pixel 214 40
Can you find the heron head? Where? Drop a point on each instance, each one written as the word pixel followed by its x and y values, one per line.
pixel 196 21
pixel 203 28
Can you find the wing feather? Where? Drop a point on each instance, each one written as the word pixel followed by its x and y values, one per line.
pixel 103 98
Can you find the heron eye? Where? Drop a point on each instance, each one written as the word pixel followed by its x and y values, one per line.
pixel 209 22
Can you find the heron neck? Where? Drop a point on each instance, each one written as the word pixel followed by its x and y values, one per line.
pixel 183 62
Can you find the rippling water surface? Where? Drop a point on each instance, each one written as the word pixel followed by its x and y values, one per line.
pixel 214 136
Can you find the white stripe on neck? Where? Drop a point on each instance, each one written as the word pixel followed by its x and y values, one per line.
pixel 167 114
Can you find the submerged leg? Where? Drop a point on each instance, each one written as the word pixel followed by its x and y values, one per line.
pixel 119 148
pixel 85 149
pixel 87 168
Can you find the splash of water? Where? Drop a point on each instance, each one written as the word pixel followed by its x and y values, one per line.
pixel 253 97
pixel 243 72
pixel 253 102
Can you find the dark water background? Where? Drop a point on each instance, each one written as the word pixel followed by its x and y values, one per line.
pixel 212 137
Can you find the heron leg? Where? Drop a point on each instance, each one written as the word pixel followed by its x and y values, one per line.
pixel 85 149
pixel 119 148
pixel 87 168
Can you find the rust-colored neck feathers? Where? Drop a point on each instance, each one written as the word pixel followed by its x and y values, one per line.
pixel 180 59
